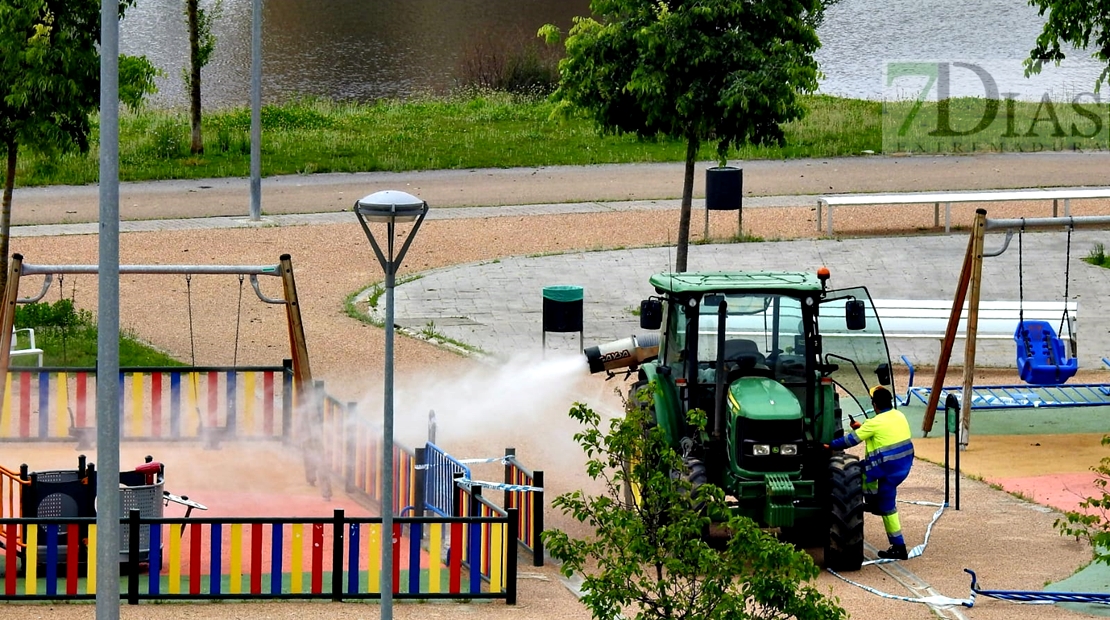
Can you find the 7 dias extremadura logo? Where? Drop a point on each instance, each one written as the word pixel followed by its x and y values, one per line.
pixel 986 106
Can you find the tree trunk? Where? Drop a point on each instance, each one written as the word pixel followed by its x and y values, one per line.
pixel 683 251
pixel 6 213
pixel 197 143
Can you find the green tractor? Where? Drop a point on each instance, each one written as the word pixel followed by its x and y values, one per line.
pixel 778 362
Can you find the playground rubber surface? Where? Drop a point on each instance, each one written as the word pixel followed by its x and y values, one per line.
pixel 994 533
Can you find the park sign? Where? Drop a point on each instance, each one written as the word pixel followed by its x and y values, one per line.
pixel 958 106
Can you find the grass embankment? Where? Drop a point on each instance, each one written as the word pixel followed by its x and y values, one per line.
pixel 492 131
pixel 502 131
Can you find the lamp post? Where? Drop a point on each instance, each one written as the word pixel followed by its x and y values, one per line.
pixel 389 207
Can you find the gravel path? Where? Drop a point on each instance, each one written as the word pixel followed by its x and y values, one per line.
pixel 996 533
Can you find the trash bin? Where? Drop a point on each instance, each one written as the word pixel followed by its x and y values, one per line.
pixel 724 188
pixel 562 311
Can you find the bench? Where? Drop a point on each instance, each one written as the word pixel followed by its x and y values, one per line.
pixel 30 349
pixel 826 203
pixel 902 318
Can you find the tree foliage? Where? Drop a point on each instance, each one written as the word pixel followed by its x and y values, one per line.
pixel 1092 521
pixel 649 554
pixel 701 71
pixel 1082 24
pixel 50 84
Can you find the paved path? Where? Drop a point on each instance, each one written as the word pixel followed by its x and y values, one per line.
pixel 498 305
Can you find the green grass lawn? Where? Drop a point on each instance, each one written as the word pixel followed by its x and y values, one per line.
pixel 68 338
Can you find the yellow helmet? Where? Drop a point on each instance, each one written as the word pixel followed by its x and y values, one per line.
pixel 875 389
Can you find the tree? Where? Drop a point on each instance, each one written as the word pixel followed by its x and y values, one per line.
pixel 1092 521
pixel 1078 23
pixel 701 71
pixel 201 45
pixel 50 84
pixel 649 554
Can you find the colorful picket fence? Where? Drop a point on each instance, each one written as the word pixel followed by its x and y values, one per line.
pixel 520 493
pixel 333 558
pixel 56 404
pixel 425 479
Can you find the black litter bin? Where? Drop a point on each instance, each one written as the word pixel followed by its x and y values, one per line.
pixel 562 311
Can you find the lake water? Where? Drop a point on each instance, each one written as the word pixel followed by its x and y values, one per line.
pixel 364 49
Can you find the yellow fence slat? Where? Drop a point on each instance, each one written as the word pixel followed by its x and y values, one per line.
pixel 236 560
pixel 175 563
pixel 90 576
pixel 374 557
pixel 30 565
pixel 248 403
pixel 137 405
pixel 6 410
pixel 296 560
pixel 435 554
pixel 61 405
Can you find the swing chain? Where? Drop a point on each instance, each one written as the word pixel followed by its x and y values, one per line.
pixel 1021 277
pixel 238 320
pixel 1067 283
pixel 189 298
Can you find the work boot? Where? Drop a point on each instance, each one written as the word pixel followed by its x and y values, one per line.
pixel 896 552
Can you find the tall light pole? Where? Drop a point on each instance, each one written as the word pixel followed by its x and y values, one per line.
pixel 389 207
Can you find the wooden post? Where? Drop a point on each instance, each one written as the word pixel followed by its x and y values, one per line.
pixel 7 316
pixel 302 370
pixel 979 230
pixel 949 340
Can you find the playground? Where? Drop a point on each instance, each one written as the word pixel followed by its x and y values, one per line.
pixel 993 533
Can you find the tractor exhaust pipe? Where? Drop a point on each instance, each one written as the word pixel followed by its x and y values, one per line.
pixel 622 353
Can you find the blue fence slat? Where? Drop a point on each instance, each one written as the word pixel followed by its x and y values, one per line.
pixel 52 559
pixel 215 572
pixel 230 393
pixel 276 548
pixel 353 555
pixel 175 404
pixel 154 568
pixel 474 544
pixel 416 535
pixel 44 405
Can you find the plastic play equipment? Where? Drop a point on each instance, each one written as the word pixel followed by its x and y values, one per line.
pixel 65 493
pixel 1041 358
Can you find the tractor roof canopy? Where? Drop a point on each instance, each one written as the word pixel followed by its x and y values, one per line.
pixel 719 281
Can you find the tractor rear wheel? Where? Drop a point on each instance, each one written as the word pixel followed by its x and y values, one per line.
pixel 844 548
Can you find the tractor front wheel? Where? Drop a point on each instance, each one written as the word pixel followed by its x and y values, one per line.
pixel 844 548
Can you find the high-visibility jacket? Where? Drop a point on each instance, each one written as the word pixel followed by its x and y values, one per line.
pixel 888 442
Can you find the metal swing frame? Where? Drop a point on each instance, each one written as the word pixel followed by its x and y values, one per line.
pixel 969 287
pixel 302 371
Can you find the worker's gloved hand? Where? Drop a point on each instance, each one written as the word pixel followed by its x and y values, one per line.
pixel 855 425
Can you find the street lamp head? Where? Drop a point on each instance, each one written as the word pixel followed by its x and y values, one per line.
pixel 390 206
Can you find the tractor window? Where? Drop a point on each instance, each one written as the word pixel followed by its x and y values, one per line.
pixel 763 335
pixel 857 353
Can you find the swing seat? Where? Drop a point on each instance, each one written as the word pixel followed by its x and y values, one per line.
pixel 1041 358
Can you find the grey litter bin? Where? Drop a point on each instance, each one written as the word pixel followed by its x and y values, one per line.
pixel 562 311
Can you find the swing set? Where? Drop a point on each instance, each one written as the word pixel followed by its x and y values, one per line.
pixel 1044 362
pixel 301 370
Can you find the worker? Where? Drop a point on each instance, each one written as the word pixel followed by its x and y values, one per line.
pixel 888 442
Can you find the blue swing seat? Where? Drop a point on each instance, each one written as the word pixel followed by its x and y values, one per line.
pixel 1040 355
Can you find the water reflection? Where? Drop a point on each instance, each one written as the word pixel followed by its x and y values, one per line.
pixel 364 49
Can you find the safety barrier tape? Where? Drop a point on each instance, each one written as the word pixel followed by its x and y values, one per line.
pixel 499 486
pixel 496 459
pixel 936 600
pixel 1038 598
